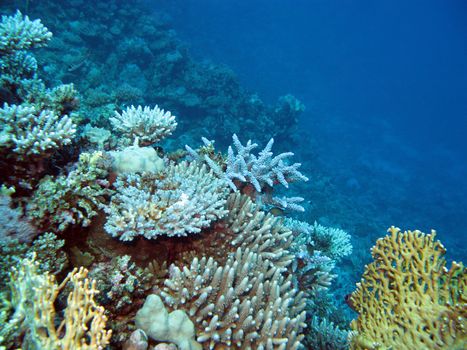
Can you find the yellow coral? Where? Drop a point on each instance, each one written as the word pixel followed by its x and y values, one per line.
pixel 408 299
pixel 33 297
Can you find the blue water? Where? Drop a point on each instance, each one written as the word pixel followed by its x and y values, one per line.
pixel 384 86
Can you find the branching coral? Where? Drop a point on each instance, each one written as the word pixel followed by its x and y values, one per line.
pixel 72 199
pixel 258 231
pixel 408 299
pixel 247 303
pixel 258 170
pixel 17 66
pixel 28 132
pixel 327 336
pixel 33 311
pixel 20 33
pixel 332 242
pixel 182 199
pixel 148 125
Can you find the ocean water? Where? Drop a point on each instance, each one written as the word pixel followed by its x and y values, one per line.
pixel 384 88
pixel 368 95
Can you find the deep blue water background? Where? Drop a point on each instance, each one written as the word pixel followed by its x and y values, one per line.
pixel 385 88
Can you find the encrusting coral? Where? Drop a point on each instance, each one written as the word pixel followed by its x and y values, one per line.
pixel 13 225
pixel 408 299
pixel 32 311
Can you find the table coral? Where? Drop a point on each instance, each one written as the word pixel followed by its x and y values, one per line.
pixel 182 199
pixel 408 299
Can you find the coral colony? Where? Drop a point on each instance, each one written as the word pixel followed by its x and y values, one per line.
pixel 108 241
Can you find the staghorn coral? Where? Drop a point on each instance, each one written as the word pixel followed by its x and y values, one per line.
pixel 247 303
pixel 258 170
pixel 182 199
pixel 27 132
pixel 147 125
pixel 74 198
pixel 407 298
pixel 33 314
pixel 20 33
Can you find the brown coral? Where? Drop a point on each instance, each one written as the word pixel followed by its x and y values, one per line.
pixel 408 299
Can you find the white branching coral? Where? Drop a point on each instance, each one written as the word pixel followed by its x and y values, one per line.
pixel 182 199
pixel 261 172
pixel 148 125
pixel 247 303
pixel 258 231
pixel 332 242
pixel 18 32
pixel 27 132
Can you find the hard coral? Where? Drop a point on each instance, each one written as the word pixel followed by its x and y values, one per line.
pixel 247 303
pixel 408 299
pixel 149 125
pixel 183 199
pixel 32 303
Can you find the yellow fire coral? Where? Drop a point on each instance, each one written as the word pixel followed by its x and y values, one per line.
pixel 32 302
pixel 408 299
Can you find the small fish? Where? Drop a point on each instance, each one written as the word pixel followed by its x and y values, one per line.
pixel 349 302
pixel 82 61
pixel 276 211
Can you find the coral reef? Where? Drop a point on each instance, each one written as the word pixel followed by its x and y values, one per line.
pixel 161 325
pixel 13 225
pixel 407 298
pixel 27 132
pixel 20 33
pixel 239 276
pixel 145 125
pixel 33 313
pixel 72 199
pixel 324 335
pixel 183 199
pixel 246 303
